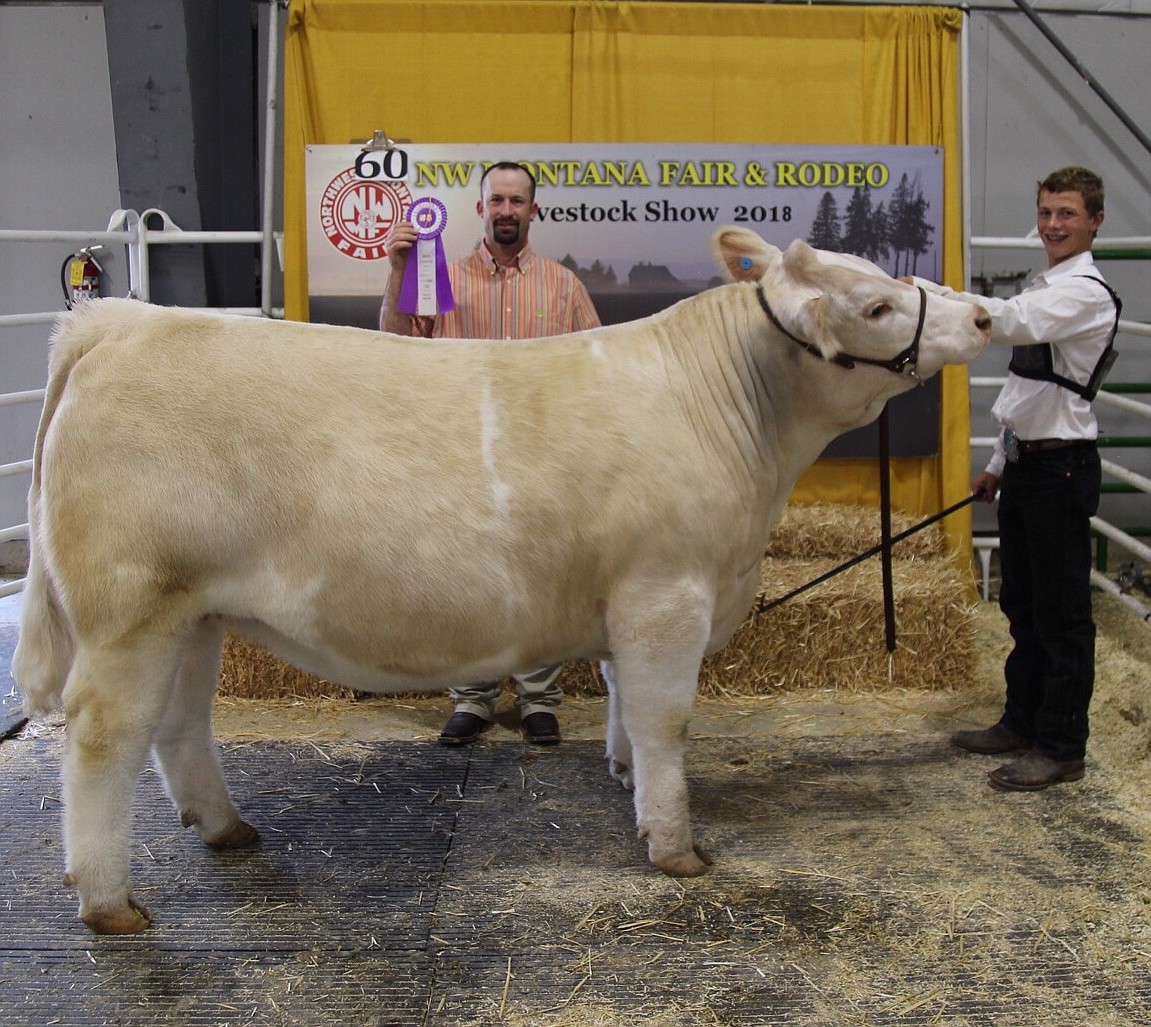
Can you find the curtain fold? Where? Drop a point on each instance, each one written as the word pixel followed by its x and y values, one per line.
pixel 598 71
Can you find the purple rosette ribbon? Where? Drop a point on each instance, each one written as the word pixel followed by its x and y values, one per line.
pixel 426 289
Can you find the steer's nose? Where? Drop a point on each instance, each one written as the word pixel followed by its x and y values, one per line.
pixel 983 320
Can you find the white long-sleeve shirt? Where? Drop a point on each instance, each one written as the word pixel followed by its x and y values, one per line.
pixel 1072 314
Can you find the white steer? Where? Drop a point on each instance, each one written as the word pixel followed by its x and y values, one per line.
pixel 398 514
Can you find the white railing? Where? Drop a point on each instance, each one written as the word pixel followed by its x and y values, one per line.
pixel 130 228
pixel 984 545
pixel 1033 242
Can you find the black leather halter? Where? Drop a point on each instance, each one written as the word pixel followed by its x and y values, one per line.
pixel 904 364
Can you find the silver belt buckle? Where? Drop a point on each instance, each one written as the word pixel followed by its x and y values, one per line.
pixel 1010 445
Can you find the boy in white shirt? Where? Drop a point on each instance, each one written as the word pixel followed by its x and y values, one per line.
pixel 1046 471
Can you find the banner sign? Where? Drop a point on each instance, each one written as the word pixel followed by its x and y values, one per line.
pixel 633 221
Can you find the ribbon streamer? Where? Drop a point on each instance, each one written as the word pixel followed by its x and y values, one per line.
pixel 426 289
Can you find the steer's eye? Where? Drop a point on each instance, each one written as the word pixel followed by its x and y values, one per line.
pixel 878 310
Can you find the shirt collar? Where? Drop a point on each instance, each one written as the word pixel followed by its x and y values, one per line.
pixel 521 263
pixel 1071 266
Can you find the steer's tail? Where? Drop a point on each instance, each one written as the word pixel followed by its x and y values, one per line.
pixel 44 649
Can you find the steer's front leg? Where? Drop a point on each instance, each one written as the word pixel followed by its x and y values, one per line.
pixel 662 805
pixel 656 658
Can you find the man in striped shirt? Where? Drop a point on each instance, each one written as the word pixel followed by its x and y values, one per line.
pixel 502 290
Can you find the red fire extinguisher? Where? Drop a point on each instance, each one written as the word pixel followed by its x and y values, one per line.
pixel 80 276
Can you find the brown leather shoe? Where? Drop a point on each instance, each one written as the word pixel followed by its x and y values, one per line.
pixel 542 729
pixel 462 729
pixel 990 741
pixel 1034 771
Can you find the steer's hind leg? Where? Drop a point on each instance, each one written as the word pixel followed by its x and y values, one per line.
pixel 657 649
pixel 619 757
pixel 185 748
pixel 113 700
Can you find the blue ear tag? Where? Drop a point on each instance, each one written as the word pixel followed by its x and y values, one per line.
pixel 745 263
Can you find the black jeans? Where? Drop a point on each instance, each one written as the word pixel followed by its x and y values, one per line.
pixel 1045 502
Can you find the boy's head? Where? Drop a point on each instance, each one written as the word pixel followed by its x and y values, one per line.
pixel 1076 180
pixel 1069 211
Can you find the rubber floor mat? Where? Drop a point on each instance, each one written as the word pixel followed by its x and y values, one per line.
pixel 351 856
pixel 861 881
pixel 11 714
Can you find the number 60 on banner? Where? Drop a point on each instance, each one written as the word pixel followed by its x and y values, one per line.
pixel 389 165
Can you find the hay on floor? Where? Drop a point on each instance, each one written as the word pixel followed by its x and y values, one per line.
pixel 831 636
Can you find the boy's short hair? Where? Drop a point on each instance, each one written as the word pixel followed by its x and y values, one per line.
pixel 1076 180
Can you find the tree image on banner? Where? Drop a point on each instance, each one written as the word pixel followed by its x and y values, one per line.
pixel 893 236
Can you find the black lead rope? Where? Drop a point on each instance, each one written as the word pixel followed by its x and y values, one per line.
pixel 762 607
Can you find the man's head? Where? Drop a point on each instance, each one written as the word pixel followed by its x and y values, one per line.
pixel 507 205
pixel 1069 212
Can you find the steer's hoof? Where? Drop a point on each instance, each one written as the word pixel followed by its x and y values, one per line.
pixel 685 864
pixel 239 836
pixel 622 773
pixel 129 919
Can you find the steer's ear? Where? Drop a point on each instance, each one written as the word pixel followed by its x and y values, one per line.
pixel 743 254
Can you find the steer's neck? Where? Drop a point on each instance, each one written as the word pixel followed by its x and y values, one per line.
pixel 807 402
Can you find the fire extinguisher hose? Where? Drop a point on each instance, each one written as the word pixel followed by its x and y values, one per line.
pixel 64 278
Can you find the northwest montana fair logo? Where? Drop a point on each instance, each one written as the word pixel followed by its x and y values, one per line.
pixel 356 213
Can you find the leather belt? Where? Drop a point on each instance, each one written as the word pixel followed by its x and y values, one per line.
pixel 1039 445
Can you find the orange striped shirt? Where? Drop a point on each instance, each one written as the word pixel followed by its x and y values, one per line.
pixel 533 297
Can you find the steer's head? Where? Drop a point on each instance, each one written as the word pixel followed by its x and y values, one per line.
pixel 845 309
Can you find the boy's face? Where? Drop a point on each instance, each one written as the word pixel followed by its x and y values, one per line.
pixel 1065 226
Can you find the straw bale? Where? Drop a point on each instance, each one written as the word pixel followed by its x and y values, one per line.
pixel 832 636
pixel 837 531
pixel 249 671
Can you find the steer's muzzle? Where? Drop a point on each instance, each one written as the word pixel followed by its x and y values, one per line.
pixel 983 321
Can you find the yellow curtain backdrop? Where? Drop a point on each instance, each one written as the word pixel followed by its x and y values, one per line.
pixel 442 71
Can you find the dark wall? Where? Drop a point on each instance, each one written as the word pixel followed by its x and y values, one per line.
pixel 184 98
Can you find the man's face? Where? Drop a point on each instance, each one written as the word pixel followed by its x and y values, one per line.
pixel 506 207
pixel 1065 226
